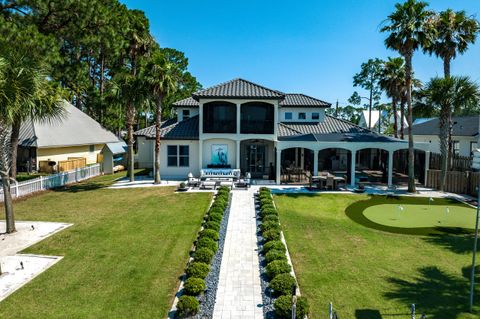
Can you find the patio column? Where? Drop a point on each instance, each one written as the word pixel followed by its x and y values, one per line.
pixel 200 156
pixel 390 168
pixel 352 168
pixel 237 154
pixel 302 158
pixel 315 163
pixel 278 166
pixel 427 166
pixel 239 106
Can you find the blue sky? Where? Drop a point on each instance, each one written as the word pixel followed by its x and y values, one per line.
pixel 312 47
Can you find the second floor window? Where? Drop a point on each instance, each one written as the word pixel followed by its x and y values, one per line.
pixel 456 147
pixel 257 118
pixel 185 114
pixel 219 117
pixel 178 156
pixel 288 116
pixel 315 116
pixel 302 116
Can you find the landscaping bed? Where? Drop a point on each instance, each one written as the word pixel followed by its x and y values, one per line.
pixel 198 295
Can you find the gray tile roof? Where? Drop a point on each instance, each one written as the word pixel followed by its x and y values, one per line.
pixel 462 126
pixel 189 101
pixel 74 128
pixel 173 130
pixel 330 130
pixel 296 99
pixel 238 88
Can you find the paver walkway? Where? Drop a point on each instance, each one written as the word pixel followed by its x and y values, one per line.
pixel 239 290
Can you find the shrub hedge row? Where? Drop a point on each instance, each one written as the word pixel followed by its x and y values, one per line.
pixel 206 246
pixel 277 269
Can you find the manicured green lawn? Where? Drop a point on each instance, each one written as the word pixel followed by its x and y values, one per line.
pixel 123 255
pixel 368 270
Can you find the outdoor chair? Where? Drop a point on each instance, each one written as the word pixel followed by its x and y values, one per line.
pixel 330 183
pixel 192 181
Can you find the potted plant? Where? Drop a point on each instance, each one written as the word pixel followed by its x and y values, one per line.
pixel 182 187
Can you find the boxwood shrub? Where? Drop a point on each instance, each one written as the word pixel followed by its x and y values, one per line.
pixel 282 284
pixel 268 211
pixel 283 307
pixel 203 255
pixel 212 225
pixel 270 218
pixel 209 243
pixel 274 254
pixel 209 233
pixel 271 234
pixel 194 286
pixel 215 217
pixel 198 270
pixel 216 210
pixel 274 244
pixel 277 267
pixel 187 306
pixel 269 225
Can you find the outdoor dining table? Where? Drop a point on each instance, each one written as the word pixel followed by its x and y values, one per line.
pixel 323 179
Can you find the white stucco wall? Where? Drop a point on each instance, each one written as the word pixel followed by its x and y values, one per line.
pixel 179 110
pixel 207 151
pixel 296 110
pixel 434 142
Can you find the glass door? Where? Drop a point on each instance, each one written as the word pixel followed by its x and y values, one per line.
pixel 256 160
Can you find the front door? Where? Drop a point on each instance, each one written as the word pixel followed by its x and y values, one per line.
pixel 256 160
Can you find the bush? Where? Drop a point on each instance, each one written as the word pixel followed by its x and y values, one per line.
pixel 212 225
pixel 269 225
pixel 274 244
pixel 198 270
pixel 207 243
pixel 215 217
pixel 266 201
pixel 187 306
pixel 270 218
pixel 194 286
pixel 282 284
pixel 269 211
pixel 283 307
pixel 275 255
pixel 267 206
pixel 271 234
pixel 209 233
pixel 218 205
pixel 264 189
pixel 216 210
pixel 224 189
pixel 203 255
pixel 277 267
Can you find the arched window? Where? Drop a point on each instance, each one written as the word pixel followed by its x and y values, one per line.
pixel 219 117
pixel 257 118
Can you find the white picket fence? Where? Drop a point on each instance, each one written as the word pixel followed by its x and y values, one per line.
pixel 52 181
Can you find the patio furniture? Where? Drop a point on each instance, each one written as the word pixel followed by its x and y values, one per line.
pixel 330 182
pixel 242 183
pixel 208 185
pixel 192 181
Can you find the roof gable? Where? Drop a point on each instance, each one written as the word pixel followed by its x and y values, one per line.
pixel 238 89
pixel 462 126
pixel 173 130
pixel 298 99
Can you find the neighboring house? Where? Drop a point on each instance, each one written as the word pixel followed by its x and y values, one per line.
pixel 384 122
pixel 464 136
pixel 264 132
pixel 75 135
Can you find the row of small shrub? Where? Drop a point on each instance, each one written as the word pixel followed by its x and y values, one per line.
pixel 206 246
pixel 281 282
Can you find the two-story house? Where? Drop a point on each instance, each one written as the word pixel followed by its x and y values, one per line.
pixel 243 125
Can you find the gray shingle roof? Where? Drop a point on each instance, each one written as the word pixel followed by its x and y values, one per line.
pixel 189 101
pixel 238 88
pixel 173 130
pixel 296 99
pixel 74 128
pixel 462 126
pixel 330 130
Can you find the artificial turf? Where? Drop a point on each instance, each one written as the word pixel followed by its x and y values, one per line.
pixel 372 271
pixel 122 256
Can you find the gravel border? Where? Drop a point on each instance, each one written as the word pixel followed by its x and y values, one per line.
pixel 207 300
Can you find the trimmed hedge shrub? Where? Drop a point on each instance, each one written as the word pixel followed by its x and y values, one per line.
pixel 283 307
pixel 282 284
pixel 275 255
pixel 207 243
pixel 271 234
pixel 267 206
pixel 187 306
pixel 216 210
pixel 277 267
pixel 212 225
pixel 268 211
pixel 269 225
pixel 270 218
pixel 203 255
pixel 209 233
pixel 274 244
pixel 194 286
pixel 198 270
pixel 215 217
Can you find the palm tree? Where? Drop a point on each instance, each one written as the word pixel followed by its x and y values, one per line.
pixel 445 94
pixel 455 32
pixel 162 77
pixel 409 28
pixel 393 77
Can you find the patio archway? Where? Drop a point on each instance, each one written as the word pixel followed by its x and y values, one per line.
pixel 296 164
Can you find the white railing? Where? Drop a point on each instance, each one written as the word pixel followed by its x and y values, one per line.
pixel 52 181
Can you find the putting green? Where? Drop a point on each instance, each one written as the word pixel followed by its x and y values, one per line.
pixel 407 215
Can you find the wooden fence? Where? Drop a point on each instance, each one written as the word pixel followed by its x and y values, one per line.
pixel 457 182
pixel 458 163
pixel 52 181
pixel 72 163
